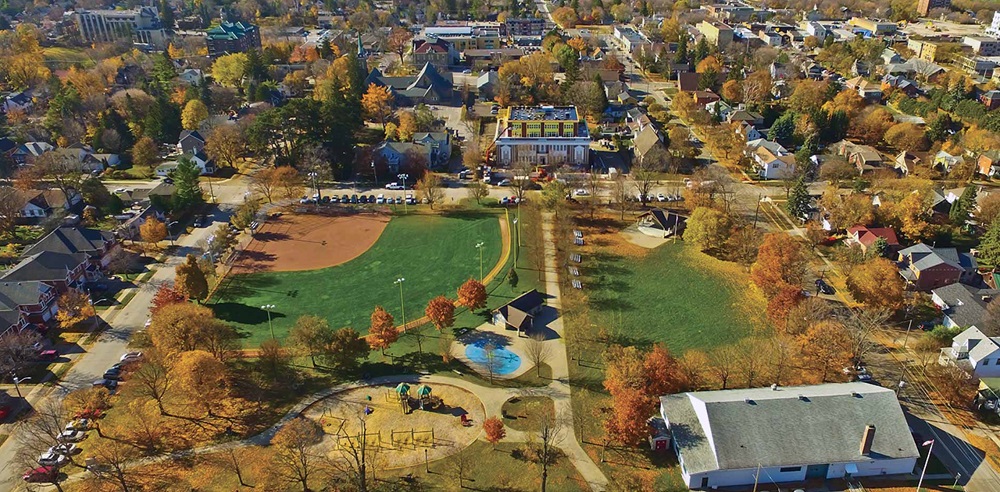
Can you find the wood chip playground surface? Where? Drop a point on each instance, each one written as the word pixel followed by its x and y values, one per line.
pixel 402 438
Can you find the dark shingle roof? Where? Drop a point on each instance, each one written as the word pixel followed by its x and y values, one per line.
pixel 965 303
pixel 45 266
pixel 71 240
pixel 14 294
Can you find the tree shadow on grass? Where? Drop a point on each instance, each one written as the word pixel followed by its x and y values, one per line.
pixel 609 304
pixel 467 214
pixel 270 236
pixel 241 286
pixel 235 312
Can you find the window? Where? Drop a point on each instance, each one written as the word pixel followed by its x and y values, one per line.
pixel 789 469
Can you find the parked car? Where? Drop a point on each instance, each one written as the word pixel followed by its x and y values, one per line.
pixel 465 174
pixel 115 372
pixel 81 424
pixel 67 449
pixel 504 182
pixel 399 200
pixel 380 199
pixel 410 200
pixel 581 192
pixel 467 71
pixel 345 199
pixel 362 199
pixel 110 384
pixel 48 355
pixel 42 474
pixel 394 186
pixel 304 200
pixel 371 198
pixel 131 356
pixel 504 201
pixel 50 458
pixel 661 197
pixel 72 436
pixel 354 198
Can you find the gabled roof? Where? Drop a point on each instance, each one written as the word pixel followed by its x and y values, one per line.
pixel 978 344
pixel 868 235
pixel 14 294
pixel 687 81
pixel 517 312
pixel 646 140
pixel 965 304
pixel 923 257
pixel 746 428
pixel 666 220
pixel 34 148
pixel 230 30
pixel 44 266
pixel 71 240
pixel 185 134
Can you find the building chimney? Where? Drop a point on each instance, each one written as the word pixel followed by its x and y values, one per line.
pixel 867 440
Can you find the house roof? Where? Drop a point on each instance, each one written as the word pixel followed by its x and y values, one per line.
pixel 743 115
pixel 868 235
pixel 517 312
pixel 7 145
pixel 185 134
pixel 433 44
pixel 45 266
pixel 965 304
pixel 14 294
pixel 664 219
pixel 70 240
pixel 687 81
pixel 746 428
pixel 230 30
pixel 647 138
pixel 978 344
pixel 35 148
pixel 923 257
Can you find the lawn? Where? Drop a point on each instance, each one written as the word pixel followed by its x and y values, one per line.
pixel 434 253
pixel 64 57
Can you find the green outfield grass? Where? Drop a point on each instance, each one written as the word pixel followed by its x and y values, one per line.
pixel 434 253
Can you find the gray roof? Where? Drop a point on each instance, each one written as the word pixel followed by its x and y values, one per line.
pixel 646 140
pixel 14 294
pixel 965 304
pixel 923 257
pixel 739 429
pixel 46 265
pixel 71 240
pixel 978 344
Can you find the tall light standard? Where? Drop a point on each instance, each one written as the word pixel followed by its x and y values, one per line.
pixel 169 226
pixel 314 175
pixel 402 177
pixel 17 384
pixel 375 173
pixel 402 310
pixel 479 246
pixel 922 472
pixel 268 308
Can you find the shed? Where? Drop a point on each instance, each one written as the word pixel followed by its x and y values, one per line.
pixel 661 223
pixel 519 314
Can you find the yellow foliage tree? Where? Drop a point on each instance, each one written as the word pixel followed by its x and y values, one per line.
pixel 195 112
pixel 74 308
pixel 201 380
pixel 377 103
pixel 228 70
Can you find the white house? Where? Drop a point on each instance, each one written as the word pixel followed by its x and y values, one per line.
pixel 829 431
pixel 18 101
pixel 771 159
pixel 975 352
pixel 191 76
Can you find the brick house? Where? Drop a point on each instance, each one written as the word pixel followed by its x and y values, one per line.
pixel 99 246
pixel 926 268
pixel 60 270
pixel 34 302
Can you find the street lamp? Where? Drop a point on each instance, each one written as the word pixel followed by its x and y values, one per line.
pixel 17 384
pixel 314 175
pixel 268 308
pixel 399 281
pixel 402 177
pixel 479 246
pixel 170 225
pixel 375 173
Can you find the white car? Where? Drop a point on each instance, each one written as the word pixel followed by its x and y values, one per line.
pixel 50 458
pixel 130 357
pixel 661 197
pixel 72 436
pixel 504 182
pixel 380 199
pixel 149 321
pixel 67 449
pixel 394 186
pixel 581 192
pixel 80 425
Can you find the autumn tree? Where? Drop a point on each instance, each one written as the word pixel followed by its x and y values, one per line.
pixel 225 144
pixel 780 264
pixel 407 125
pixel 153 231
pixel 311 336
pixel 399 41
pixel 664 375
pixel 472 294
pixel 430 187
pixel 382 331
pixel 779 306
pixel 194 113
pixel 732 91
pixel 871 125
pixel 493 428
pixel 295 458
pixel 441 312
pixel 74 308
pixel 377 103
pixel 624 369
pixel 229 70
pixel 626 422
pixel 277 183
pixel 190 279
pixel 708 228
pixel 826 346
pixel 346 348
pixel 144 153
pixel 906 137
pixel 848 101
pixel 989 209
pixel 201 380
pixel 184 326
pixel 877 284
pixel 807 96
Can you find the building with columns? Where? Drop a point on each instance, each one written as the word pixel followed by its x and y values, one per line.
pixel 542 135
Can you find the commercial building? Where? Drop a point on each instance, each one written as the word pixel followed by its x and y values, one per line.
pixel 730 13
pixel 994 29
pixel 466 37
pixel 142 25
pixel 541 135
pixel 874 28
pixel 630 39
pixel 982 45
pixel 528 26
pixel 925 6
pixel 716 33
pixel 830 431
pixel 232 37
pixel 925 50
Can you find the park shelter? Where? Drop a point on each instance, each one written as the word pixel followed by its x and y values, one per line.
pixel 519 313
pixel 661 223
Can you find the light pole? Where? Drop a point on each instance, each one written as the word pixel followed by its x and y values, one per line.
pixel 313 175
pixel 479 246
pixel 375 173
pixel 210 190
pixel 170 225
pixel 17 384
pixel 402 177
pixel 268 308
pixel 922 472
pixel 402 310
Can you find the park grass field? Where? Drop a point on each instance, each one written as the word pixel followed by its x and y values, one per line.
pixel 64 57
pixel 434 253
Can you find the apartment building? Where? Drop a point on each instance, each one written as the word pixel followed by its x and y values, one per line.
pixel 541 135
pixel 142 25
pixel 925 50
pixel 232 37
pixel 982 45
pixel 466 37
pixel 528 26
pixel 925 6
pixel 716 33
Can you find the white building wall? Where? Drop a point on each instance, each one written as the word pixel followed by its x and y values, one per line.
pixel 730 478
pixel 987 367
pixel 871 468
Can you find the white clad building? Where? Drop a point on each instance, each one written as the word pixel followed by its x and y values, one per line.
pixel 541 135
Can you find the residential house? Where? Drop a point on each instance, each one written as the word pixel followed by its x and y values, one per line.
pixel 905 162
pixel 85 160
pixel 974 352
pixel 962 305
pixel 99 246
pixel 946 162
pixel 646 141
pixel 991 99
pixel 41 204
pixel 865 237
pixel 27 152
pixel 438 145
pixel 868 90
pixel 770 159
pixel 190 141
pixel 744 116
pixel 926 268
pixel 732 438
pixel 900 83
pixel 436 51
pixel 200 159
pixel 941 201
pixel 61 270
pixel 487 84
pixel 636 119
pixel 18 101
pixel 748 131
pixel 429 86
pixel 703 98
pixel 720 109
pixel 988 163
pixel 397 155
pixel 687 81
pixel 191 76
pixel 132 221
pixel 519 314
pixel 32 302
pixel 864 157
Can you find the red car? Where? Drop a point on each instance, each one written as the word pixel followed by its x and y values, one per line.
pixel 48 355
pixel 42 474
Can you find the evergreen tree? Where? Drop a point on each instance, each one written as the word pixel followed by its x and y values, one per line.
pixel 166 15
pixel 163 69
pixel 700 51
pixel 599 96
pixel 783 130
pixel 798 199
pixel 682 50
pixel 960 208
pixel 187 192
pixel 325 48
pixel 989 245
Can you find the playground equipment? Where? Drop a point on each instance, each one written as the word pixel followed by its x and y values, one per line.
pixel 423 392
pixel 403 393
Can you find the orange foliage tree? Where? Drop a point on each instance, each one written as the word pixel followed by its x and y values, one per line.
pixel 382 330
pixel 664 375
pixel 876 284
pixel 780 264
pixel 493 427
pixel 441 311
pixel 826 347
pixel 626 423
pixel 472 294
pixel 165 296
pixel 779 305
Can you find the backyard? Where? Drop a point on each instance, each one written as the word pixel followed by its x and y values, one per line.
pixel 433 253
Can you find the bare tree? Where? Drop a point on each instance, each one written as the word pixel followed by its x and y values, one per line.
pixel 620 194
pixel 478 191
pixel 294 457
pixel 17 348
pixel 490 363
pixel 751 360
pixel 154 379
pixel 460 465
pixel 430 187
pixel 10 206
pixel 862 327
pixel 549 436
pixel 643 178
pixel 358 458
pixel 538 351
pixel 724 361
pixel 520 180
pixel 114 464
